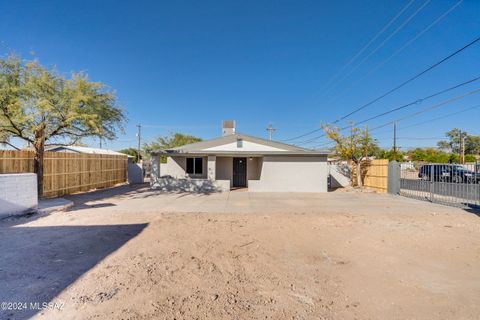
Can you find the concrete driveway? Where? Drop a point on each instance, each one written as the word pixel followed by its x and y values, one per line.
pixel 131 252
pixel 141 198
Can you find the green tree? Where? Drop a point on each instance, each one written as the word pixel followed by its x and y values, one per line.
pixel 355 147
pixel 132 152
pixel 470 158
pixel 389 154
pixel 453 144
pixel 41 107
pixel 173 140
pixel 432 155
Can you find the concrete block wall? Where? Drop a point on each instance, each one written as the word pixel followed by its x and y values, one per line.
pixel 340 174
pixel 18 193
pixel 135 173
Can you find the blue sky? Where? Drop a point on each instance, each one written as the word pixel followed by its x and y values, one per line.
pixel 187 65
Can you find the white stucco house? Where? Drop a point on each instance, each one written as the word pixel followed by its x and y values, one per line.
pixel 237 160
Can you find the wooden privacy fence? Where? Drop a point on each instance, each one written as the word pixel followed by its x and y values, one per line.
pixel 374 174
pixel 66 173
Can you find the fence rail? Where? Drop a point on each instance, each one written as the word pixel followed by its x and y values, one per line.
pixel 66 173
pixel 450 184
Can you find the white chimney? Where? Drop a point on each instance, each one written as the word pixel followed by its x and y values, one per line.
pixel 228 127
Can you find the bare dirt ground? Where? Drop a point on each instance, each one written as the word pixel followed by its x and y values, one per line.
pixel 136 254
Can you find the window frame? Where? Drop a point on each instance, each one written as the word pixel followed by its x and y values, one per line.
pixel 197 170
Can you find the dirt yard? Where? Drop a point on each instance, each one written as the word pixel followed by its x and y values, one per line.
pixel 136 254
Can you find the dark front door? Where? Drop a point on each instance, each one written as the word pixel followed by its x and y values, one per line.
pixel 239 172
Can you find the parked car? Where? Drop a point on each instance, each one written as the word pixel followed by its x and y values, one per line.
pixel 448 173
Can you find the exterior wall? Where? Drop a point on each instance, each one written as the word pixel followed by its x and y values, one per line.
pixel 254 168
pixel 135 172
pixel 292 174
pixel 176 167
pixel 224 170
pixel 171 176
pixel 264 174
pixel 18 193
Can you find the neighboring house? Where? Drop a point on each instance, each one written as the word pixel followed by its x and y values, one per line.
pixel 75 149
pixel 240 161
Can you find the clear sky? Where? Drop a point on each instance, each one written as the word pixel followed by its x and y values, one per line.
pixel 187 65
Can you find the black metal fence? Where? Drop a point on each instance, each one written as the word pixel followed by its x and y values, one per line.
pixel 450 184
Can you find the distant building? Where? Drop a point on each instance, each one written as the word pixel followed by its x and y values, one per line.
pixel 75 149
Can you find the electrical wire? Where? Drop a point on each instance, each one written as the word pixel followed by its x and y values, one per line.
pixel 438 118
pixel 382 44
pixel 438 105
pixel 415 102
pixel 385 61
pixel 441 17
pixel 393 89
pixel 408 80
pixel 420 100
pixel 369 43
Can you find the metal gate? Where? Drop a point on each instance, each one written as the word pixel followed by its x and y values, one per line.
pixel 449 184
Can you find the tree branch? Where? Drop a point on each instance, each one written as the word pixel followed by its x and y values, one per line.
pixel 8 143
pixel 5 113
pixel 70 143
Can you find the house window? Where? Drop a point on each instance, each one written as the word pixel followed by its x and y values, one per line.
pixel 239 143
pixel 194 165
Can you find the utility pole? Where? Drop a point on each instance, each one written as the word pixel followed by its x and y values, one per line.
pixel 462 148
pixel 100 142
pixel 366 142
pixel 139 137
pixel 270 130
pixel 395 141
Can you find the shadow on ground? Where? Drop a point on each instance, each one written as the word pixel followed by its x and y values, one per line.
pixel 124 192
pixel 39 262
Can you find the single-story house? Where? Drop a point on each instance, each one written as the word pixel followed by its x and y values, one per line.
pixel 237 160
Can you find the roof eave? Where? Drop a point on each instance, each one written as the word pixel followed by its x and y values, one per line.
pixel 241 153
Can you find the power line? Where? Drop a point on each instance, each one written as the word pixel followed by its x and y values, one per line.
pixel 392 90
pixel 410 115
pixel 440 118
pixel 428 108
pixel 303 135
pixel 448 115
pixel 420 138
pixel 398 29
pixel 420 100
pixel 408 81
pixel 329 82
pixel 323 144
pixel 418 35
pixel 417 101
